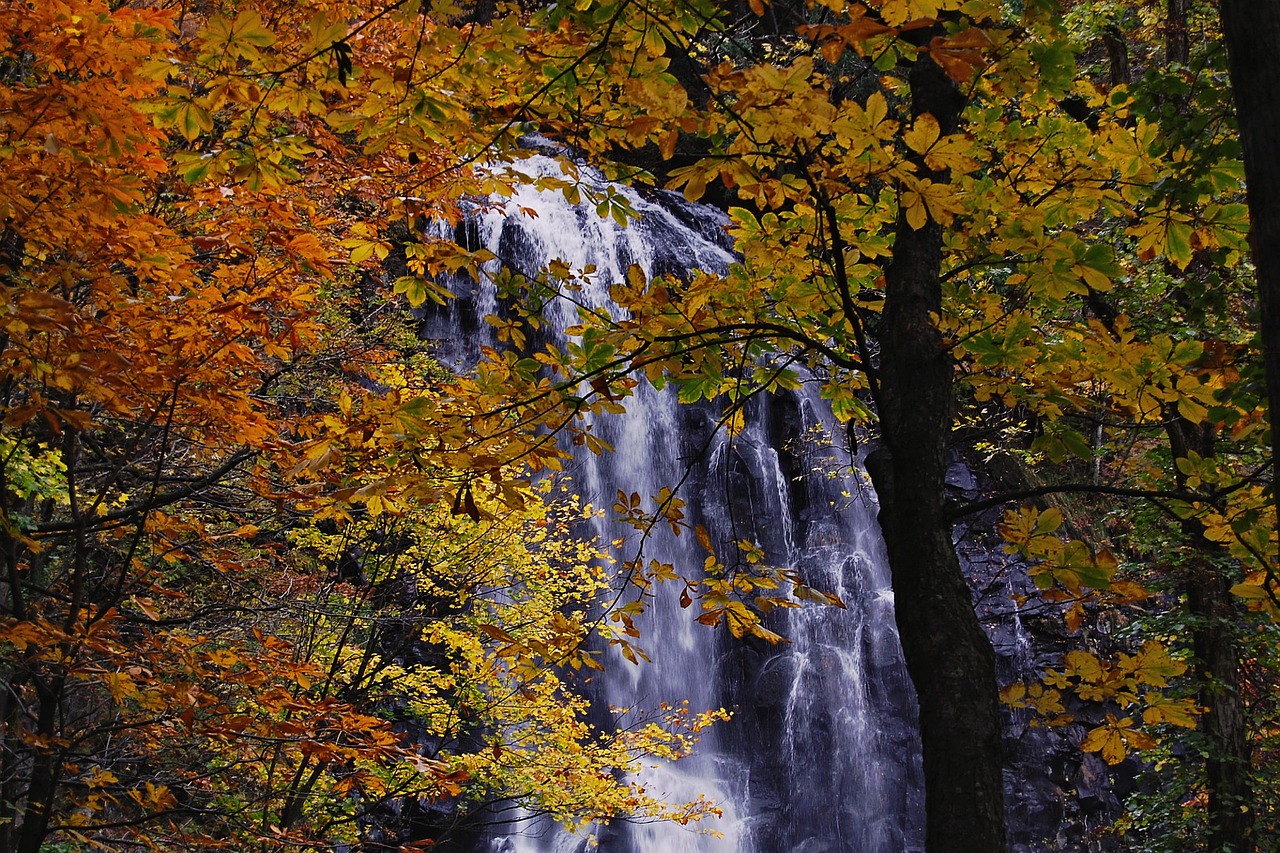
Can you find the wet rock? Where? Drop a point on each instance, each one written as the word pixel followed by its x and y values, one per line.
pixel 960 478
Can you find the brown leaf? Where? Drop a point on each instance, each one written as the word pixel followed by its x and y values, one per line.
pixel 962 54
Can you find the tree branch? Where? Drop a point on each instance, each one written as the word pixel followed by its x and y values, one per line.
pixel 972 507
pixel 160 500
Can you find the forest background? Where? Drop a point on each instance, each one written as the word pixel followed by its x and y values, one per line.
pixel 236 490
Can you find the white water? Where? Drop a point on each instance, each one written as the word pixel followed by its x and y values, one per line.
pixel 821 755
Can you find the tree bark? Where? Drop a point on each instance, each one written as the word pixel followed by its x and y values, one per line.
pixel 1177 34
pixel 1252 34
pixel 1217 669
pixel 1117 55
pixel 1227 782
pixel 948 656
pixel 1209 599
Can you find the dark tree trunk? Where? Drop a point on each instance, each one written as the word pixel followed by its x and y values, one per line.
pixel 949 657
pixel 1252 33
pixel 1177 35
pixel 1117 55
pixel 1209 599
pixel 46 768
pixel 1217 669
pixel 1230 792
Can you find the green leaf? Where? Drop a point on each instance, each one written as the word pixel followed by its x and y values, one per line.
pixel 194 167
pixel 1177 247
pixel 697 388
pixel 1057 64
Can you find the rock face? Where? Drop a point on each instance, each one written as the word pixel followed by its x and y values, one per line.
pixel 1058 799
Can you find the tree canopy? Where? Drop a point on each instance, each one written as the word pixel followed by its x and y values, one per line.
pixel 235 489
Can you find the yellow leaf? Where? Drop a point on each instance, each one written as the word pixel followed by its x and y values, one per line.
pixel 1106 741
pixel 1014 695
pixel 1191 410
pixel 940 201
pixel 1084 666
pixel 916 212
pixel 224 658
pixel 877 109
pixel 899 12
pixel 1176 712
pixel 1113 740
pixel 923 133
pixel 1049 520
pixel 1153 665
pixel 1250 591
pixel 951 152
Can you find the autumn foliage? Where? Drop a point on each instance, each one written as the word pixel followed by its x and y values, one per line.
pixel 233 515
pixel 267 568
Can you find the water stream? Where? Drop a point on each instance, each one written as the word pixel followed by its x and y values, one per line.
pixel 821 754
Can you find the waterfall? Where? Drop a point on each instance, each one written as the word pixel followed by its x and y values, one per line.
pixel 821 754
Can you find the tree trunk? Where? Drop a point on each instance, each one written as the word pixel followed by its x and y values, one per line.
pixel 1117 55
pixel 46 768
pixel 1177 34
pixel 1227 780
pixel 1209 599
pixel 1217 669
pixel 1252 34
pixel 948 656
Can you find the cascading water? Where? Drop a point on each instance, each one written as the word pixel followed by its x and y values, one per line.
pixel 821 755
pixel 826 722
